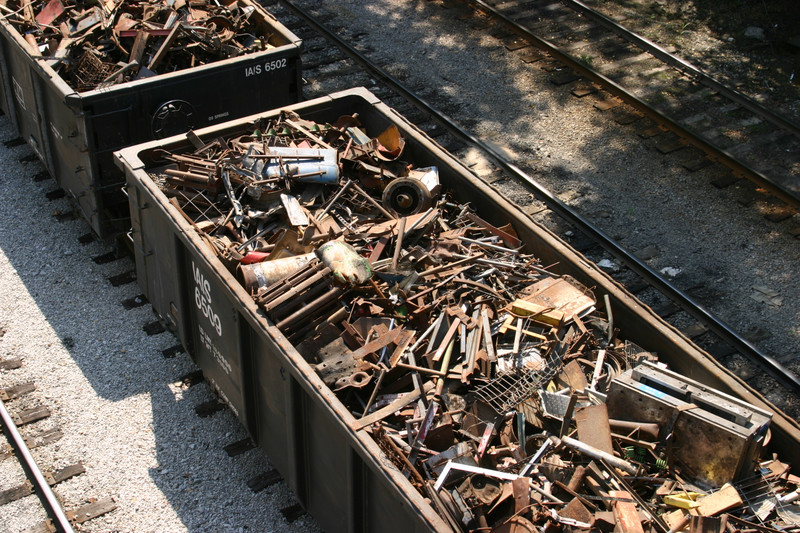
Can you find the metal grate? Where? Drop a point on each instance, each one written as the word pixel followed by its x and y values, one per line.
pixel 197 201
pixel 90 71
pixel 511 388
pixel 762 505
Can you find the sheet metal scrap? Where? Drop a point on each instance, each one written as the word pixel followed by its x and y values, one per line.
pixel 94 44
pixel 482 375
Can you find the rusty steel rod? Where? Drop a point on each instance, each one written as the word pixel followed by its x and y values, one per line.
pixel 311 307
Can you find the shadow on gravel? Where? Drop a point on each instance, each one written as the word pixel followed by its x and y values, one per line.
pixel 74 293
pixel 127 369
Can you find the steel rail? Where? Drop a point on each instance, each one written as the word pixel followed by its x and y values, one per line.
pixel 712 151
pixel 49 501
pixel 681 64
pixel 700 313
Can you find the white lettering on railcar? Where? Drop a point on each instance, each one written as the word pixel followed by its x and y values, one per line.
pixel 208 344
pixel 202 299
pixel 268 66
pixel 218 116
pixel 18 92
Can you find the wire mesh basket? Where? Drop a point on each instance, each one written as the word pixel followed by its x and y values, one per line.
pixel 762 504
pixel 513 386
pixel 90 71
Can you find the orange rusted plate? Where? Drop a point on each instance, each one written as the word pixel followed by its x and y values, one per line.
pixel 626 513
pixel 517 524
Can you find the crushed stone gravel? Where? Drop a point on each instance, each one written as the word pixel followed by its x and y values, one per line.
pixel 118 401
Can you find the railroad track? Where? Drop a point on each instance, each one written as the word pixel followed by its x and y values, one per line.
pixel 34 483
pixel 729 127
pixel 682 302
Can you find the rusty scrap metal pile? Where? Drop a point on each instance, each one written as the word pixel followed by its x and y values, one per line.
pixel 504 393
pixel 100 43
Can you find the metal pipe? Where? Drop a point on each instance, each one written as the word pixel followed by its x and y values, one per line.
pixel 488 245
pixel 490 262
pixel 374 392
pixel 382 358
pixel 398 245
pixel 421 369
pixel 448 266
pixel 277 313
pixel 546 494
pixel 594 453
pixel 418 222
pixel 297 290
pixel 311 307
pixel 423 336
pixel 373 201
pixel 536 457
pixel 649 429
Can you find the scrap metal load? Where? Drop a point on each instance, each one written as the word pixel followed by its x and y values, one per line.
pixel 104 42
pixel 506 394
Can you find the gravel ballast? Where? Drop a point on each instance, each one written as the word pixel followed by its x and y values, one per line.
pixel 120 404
